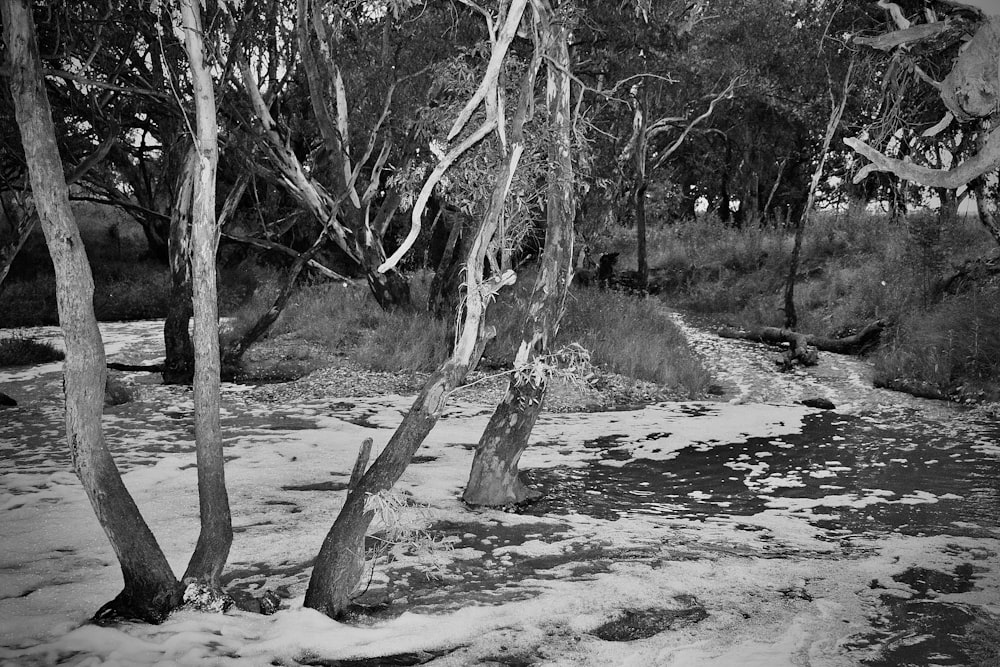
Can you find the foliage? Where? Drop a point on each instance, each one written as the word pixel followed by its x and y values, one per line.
pixel 854 270
pixel 400 534
pixel 22 351
pixel 953 346
pixel 619 333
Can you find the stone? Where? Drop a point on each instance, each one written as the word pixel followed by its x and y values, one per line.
pixel 116 392
pixel 818 402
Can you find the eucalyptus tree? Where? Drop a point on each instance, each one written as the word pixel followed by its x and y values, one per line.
pixel 949 52
pixel 494 478
pixel 333 118
pixel 486 130
pixel 151 589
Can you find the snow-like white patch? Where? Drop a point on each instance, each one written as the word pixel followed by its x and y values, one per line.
pixel 285 464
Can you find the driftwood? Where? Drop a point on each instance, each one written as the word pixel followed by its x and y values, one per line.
pixel 804 347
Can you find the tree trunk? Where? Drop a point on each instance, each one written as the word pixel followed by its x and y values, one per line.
pixel 791 317
pixel 986 207
pixel 216 535
pixel 860 342
pixel 639 198
pixel 150 587
pixel 9 249
pixel 178 364
pixel 233 354
pixel 494 478
pixel 339 564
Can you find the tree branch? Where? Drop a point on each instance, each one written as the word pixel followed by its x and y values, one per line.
pixel 985 160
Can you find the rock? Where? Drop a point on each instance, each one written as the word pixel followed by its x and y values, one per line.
pixel 204 598
pixel 6 401
pixel 116 392
pixel 821 403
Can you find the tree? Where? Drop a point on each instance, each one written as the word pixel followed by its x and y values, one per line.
pixel 494 477
pixel 969 92
pixel 216 535
pixel 338 566
pixel 150 588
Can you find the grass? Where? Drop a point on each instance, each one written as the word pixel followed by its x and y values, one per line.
pixel 624 334
pixel 126 286
pixel 24 351
pixel 853 271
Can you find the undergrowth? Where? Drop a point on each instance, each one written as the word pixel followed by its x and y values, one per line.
pixel 24 351
pixel 624 334
pixel 852 272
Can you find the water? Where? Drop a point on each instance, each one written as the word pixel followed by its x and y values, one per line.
pixel 866 472
pixel 881 466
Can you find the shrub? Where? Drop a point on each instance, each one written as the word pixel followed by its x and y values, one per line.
pixel 23 351
pixel 953 345
pixel 633 337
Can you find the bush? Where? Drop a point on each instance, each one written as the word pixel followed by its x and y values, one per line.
pixel 633 337
pixel 24 351
pixel 623 334
pixel 953 347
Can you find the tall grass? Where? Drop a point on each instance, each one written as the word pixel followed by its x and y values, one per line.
pixel 633 337
pixel 953 346
pixel 853 271
pixel 624 334
pixel 23 351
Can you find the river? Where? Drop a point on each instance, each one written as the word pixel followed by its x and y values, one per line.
pixel 752 530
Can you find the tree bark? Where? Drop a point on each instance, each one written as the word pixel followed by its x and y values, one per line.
pixel 494 477
pixel 150 587
pixel 178 364
pixel 216 535
pixel 986 208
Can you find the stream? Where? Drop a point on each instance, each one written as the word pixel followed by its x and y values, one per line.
pixel 885 509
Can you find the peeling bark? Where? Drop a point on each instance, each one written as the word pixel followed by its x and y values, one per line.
pixel 494 478
pixel 216 535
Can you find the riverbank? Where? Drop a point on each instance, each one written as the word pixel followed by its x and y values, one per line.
pixel 936 284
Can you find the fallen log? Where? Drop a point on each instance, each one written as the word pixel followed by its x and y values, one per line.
pixel 149 368
pixel 804 346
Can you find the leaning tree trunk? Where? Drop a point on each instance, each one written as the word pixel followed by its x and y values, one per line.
pixel 150 588
pixel 216 535
pixel 338 567
pixel 494 478
pixel 791 317
pixel 340 562
pixel 178 364
pixel 232 355
pixel 9 249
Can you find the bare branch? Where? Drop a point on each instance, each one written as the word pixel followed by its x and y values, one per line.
pixel 69 76
pixel 985 160
pixel 896 12
pixel 893 39
pixel 506 36
pixel 724 95
pixel 271 245
pixel 425 192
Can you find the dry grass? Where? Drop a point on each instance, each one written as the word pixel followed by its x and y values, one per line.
pixel 23 351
